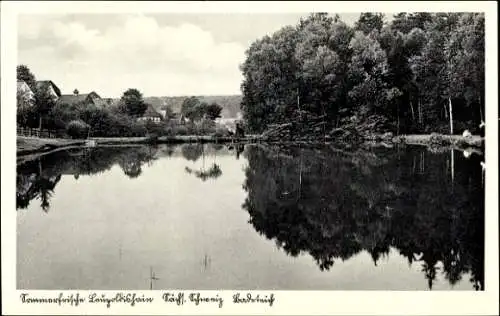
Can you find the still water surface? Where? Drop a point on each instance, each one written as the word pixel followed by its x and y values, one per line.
pixel 254 217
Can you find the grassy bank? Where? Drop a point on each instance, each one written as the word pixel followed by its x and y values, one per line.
pixel 178 139
pixel 28 145
pixel 33 145
pixel 438 140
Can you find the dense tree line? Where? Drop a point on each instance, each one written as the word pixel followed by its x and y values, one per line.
pixel 422 72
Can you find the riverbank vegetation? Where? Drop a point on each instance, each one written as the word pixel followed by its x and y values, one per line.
pixel 420 73
pixel 320 80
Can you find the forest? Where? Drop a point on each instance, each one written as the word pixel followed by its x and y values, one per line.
pixel 419 73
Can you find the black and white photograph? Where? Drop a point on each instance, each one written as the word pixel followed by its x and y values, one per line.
pixel 293 151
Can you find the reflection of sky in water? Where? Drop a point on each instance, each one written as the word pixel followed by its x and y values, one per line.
pixel 106 231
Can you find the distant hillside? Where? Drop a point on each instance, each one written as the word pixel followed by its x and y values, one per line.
pixel 230 103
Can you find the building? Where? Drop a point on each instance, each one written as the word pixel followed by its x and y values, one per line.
pixel 25 92
pixel 150 115
pixel 51 86
pixel 82 98
pixel 109 101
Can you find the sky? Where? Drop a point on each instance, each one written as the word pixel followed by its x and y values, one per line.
pixel 159 54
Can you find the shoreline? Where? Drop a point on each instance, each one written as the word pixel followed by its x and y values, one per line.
pixel 27 146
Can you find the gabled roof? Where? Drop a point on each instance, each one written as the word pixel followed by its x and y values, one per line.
pixel 72 98
pixel 75 98
pixel 42 83
pixel 151 112
pixel 21 83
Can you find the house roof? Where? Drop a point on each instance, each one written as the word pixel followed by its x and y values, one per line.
pixel 21 83
pixel 151 112
pixel 75 98
pixel 72 98
pixel 41 83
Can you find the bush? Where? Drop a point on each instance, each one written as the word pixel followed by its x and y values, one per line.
pixel 157 128
pixel 135 129
pixel 27 117
pixel 152 138
pixel 77 129
pixel 168 131
pixel 180 130
pixel 221 131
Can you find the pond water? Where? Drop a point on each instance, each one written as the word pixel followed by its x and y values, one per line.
pixel 212 217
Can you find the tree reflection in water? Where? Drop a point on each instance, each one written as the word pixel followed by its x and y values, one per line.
pixel 131 163
pixel 330 204
pixel 37 179
pixel 334 205
pixel 193 152
pixel 213 172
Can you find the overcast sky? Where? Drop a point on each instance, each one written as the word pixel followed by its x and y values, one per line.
pixel 163 54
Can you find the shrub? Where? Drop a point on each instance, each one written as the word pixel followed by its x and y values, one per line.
pixel 135 129
pixel 221 131
pixel 77 129
pixel 152 138
pixel 168 131
pixel 180 130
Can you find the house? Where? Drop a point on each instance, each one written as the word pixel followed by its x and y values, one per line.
pixel 150 115
pixel 178 118
pixel 51 86
pixel 84 98
pixel 109 101
pixel 163 113
pixel 25 92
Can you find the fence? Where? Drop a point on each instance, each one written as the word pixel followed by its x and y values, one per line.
pixel 33 132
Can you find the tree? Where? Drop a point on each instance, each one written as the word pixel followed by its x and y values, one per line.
pixel 133 102
pixel 27 116
pixel 44 102
pixel 213 111
pixel 405 22
pixel 271 80
pixel 192 108
pixel 25 74
pixel 367 72
pixel 76 91
pixel 318 67
pixel 464 50
pixel 368 22
pixel 23 99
